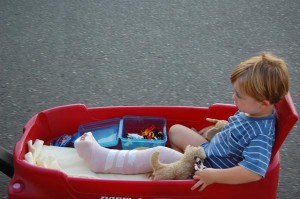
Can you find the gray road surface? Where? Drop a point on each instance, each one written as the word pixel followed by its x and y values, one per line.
pixel 136 52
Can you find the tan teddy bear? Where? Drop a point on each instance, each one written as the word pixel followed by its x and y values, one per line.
pixel 210 131
pixel 179 170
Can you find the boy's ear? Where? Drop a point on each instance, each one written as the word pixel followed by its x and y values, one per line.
pixel 265 103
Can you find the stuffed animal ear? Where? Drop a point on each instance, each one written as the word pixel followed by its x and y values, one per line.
pixel 187 147
pixel 202 154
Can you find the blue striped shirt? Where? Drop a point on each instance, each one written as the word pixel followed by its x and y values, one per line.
pixel 245 141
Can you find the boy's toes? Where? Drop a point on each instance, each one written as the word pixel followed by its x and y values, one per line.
pixel 83 136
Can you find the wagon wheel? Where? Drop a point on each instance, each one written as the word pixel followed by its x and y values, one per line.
pixel 6 162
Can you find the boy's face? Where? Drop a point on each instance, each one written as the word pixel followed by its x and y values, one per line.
pixel 246 103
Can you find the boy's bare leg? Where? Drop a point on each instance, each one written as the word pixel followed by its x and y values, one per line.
pixel 180 136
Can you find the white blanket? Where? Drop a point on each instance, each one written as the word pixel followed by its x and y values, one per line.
pixel 68 161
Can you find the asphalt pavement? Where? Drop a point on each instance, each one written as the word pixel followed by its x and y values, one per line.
pixel 136 52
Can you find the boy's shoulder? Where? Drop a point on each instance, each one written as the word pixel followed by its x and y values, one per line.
pixel 253 126
pixel 241 116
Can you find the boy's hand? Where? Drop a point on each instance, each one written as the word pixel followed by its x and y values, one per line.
pixel 204 177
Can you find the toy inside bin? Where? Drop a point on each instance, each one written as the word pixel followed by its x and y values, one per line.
pixel 137 125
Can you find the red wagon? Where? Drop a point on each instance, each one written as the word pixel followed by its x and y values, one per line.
pixel 30 181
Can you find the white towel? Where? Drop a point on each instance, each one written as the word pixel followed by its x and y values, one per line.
pixel 67 160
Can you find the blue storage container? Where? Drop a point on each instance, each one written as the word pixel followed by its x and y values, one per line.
pixel 138 124
pixel 106 132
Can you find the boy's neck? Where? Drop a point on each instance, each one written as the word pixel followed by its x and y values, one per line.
pixel 267 111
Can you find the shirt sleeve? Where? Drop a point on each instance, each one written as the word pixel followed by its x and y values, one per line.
pixel 257 154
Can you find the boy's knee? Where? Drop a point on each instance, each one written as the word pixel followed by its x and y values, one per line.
pixel 174 128
pixel 173 131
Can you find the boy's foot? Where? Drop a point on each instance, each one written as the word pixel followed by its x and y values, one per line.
pixel 85 146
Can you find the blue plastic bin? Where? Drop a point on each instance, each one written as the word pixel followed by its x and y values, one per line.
pixel 136 125
pixel 106 132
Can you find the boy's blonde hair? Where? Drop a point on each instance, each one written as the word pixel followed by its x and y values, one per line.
pixel 263 77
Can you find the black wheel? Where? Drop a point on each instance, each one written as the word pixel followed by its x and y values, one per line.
pixel 6 162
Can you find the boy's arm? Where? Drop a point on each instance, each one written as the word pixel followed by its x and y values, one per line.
pixel 234 175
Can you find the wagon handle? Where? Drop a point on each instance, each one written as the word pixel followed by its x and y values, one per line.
pixel 6 162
